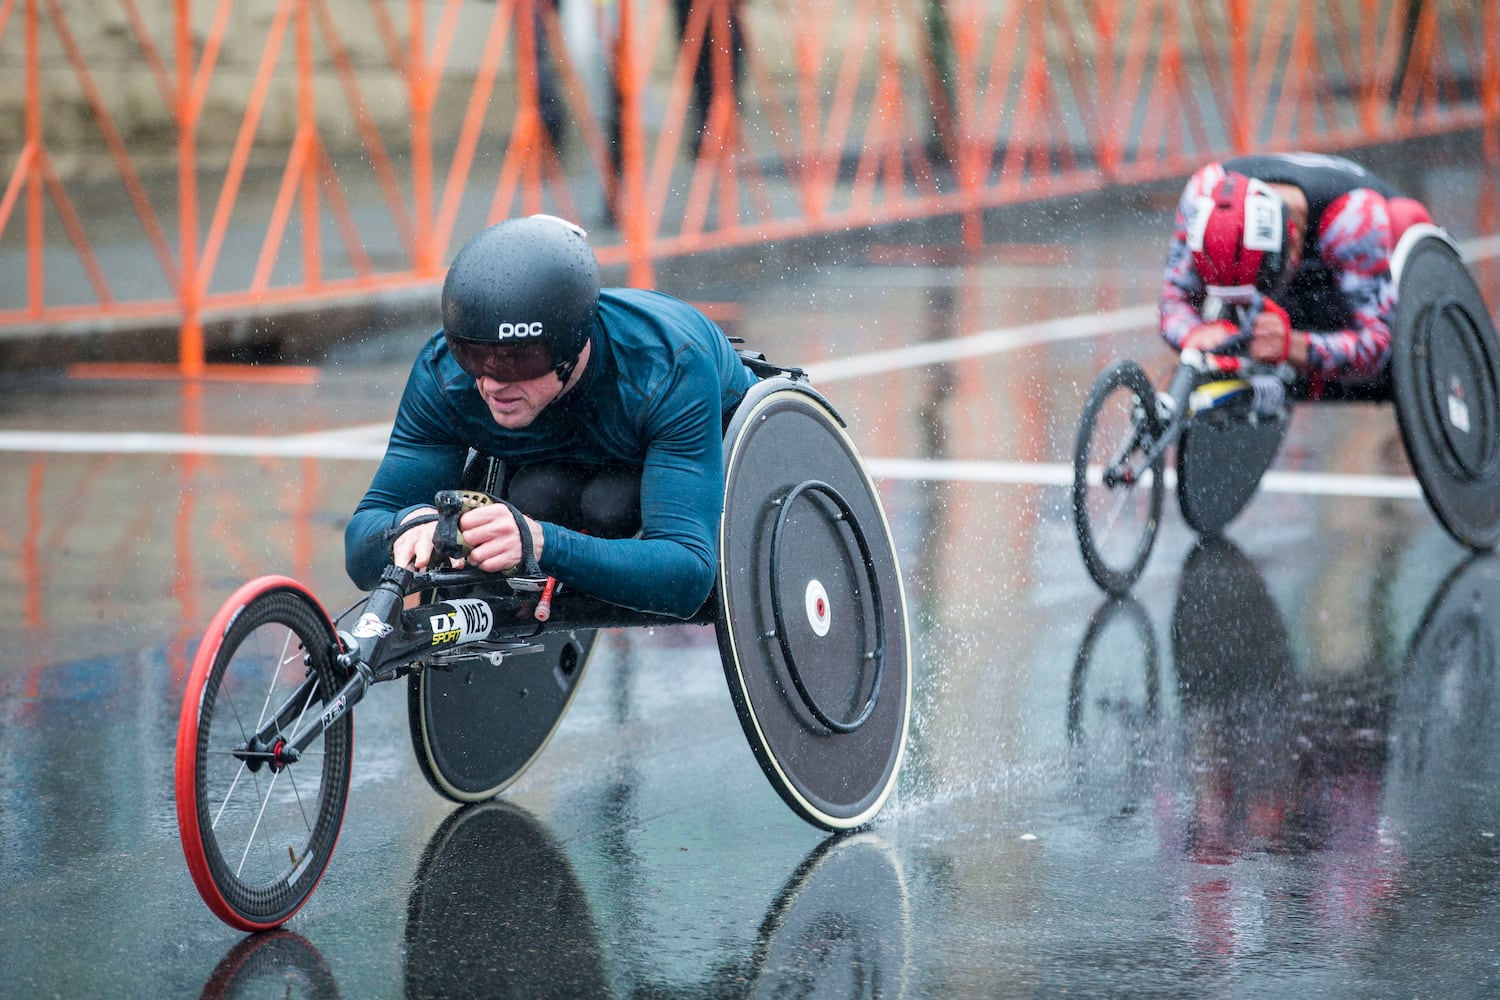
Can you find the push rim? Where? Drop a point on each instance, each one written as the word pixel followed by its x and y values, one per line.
pixel 817 611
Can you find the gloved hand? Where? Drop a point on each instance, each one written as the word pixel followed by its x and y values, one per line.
pixel 1209 336
pixel 1271 334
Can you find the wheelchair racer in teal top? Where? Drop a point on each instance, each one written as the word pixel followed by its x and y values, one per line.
pixel 607 408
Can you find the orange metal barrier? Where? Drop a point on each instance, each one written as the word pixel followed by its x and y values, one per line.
pixel 748 121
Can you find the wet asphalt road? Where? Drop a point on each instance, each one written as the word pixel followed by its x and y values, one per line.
pixel 1272 772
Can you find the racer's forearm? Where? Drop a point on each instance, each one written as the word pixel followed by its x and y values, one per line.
pixel 367 545
pixel 1181 288
pixel 657 575
pixel 1347 352
pixel 1181 293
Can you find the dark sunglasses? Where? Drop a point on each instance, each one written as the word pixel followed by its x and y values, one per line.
pixel 503 362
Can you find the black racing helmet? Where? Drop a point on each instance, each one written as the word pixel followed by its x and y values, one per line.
pixel 519 299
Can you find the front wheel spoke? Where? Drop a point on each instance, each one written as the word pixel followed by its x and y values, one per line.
pixel 228 794
pixel 263 826
pixel 1132 445
pixel 1114 510
pixel 1119 498
pixel 301 802
pixel 265 801
pixel 281 660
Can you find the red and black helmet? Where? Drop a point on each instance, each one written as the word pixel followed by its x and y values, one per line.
pixel 519 299
pixel 1241 239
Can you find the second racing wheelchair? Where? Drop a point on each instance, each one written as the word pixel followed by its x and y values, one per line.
pixel 808 607
pixel 1223 417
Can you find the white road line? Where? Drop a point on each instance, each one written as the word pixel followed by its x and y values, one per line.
pixel 953 470
pixel 1033 334
pixel 1061 474
pixel 1332 484
pixel 359 447
pixel 141 443
pixel 1480 247
pixel 986 342
pixel 368 441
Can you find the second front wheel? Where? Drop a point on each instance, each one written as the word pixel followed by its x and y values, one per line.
pixel 1117 484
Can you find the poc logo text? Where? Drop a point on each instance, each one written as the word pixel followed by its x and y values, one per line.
pixel 508 330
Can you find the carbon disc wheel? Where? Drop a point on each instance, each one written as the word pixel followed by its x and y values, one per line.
pixel 1220 464
pixel 1445 376
pixel 477 726
pixel 812 613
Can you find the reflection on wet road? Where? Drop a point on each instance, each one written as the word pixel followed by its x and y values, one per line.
pixel 1272 770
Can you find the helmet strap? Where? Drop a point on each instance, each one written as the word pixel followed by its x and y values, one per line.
pixel 565 369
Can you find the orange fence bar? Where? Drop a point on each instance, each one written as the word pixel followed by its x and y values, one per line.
pixel 331 150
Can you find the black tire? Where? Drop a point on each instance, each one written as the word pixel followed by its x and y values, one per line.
pixel 258 835
pixel 1117 513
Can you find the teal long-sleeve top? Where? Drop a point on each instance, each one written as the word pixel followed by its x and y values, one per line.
pixel 660 381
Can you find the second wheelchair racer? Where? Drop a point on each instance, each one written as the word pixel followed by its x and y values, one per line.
pixel 606 406
pixel 1308 235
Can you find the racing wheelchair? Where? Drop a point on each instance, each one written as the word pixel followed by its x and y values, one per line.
pixel 1226 417
pixel 808 608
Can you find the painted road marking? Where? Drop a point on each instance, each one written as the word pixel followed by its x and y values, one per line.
pixel 985 342
pixel 1034 334
pixel 367 443
pixel 1061 474
pixel 362 443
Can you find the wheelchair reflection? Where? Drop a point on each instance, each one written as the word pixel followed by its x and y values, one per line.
pixel 497 909
pixel 1273 761
pixel 1114 615
pixel 1246 756
pixel 840 927
pixel 1445 706
pixel 275 964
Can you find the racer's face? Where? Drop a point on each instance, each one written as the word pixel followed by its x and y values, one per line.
pixel 1294 200
pixel 515 403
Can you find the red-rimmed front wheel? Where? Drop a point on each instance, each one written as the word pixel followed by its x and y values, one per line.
pixel 258 825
